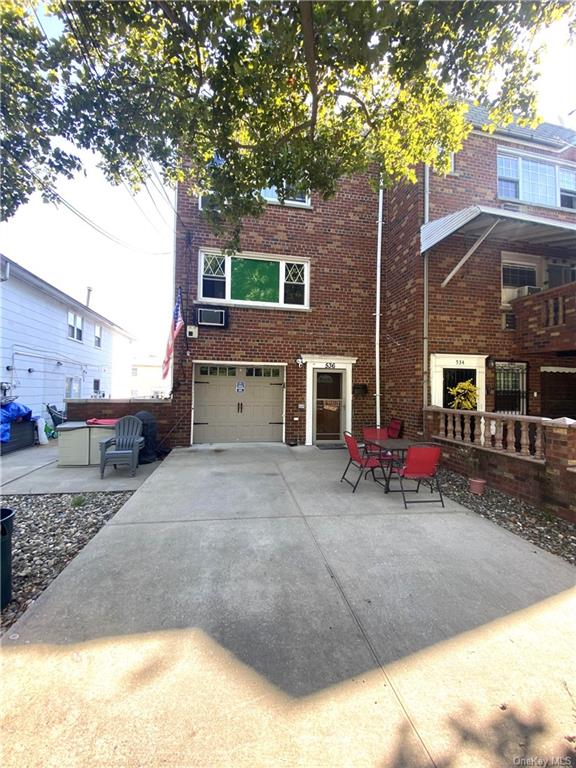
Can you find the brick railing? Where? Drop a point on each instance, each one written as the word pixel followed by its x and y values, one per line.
pixel 526 456
pixel 522 436
pixel 546 321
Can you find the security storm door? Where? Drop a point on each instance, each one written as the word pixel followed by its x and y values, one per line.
pixel 238 403
pixel 329 405
pixel 510 388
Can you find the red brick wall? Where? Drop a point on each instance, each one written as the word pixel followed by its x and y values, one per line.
pixel 338 236
pixel 402 307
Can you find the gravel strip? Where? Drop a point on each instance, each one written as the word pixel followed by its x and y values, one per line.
pixel 554 534
pixel 49 531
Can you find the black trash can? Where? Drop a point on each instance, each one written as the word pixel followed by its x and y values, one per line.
pixel 6 523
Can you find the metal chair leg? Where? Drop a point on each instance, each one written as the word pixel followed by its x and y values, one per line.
pixel 439 489
pixel 403 494
pixel 346 470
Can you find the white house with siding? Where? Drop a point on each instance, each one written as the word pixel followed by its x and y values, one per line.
pixel 53 347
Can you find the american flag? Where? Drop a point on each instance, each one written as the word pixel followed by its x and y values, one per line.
pixel 175 327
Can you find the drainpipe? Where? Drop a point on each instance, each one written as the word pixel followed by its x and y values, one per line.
pixel 378 299
pixel 425 370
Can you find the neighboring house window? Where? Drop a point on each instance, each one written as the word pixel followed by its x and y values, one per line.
pixel 519 271
pixel 73 387
pixel 96 386
pixel 266 281
pixel 536 181
pixel 75 323
pixel 97 335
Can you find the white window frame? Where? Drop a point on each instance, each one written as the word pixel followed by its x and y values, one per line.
pixel 78 325
pixel 97 336
pixel 282 261
pixel 288 202
pixel 72 384
pixel 506 152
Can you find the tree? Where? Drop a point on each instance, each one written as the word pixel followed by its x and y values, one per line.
pixel 237 96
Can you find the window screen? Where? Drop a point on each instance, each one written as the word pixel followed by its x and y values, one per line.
pixel 516 276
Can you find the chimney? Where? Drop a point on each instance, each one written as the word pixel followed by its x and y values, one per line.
pixel 88 292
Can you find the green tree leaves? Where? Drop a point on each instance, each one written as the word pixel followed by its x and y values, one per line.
pixel 293 93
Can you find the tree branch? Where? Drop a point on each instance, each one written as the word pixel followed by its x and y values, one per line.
pixel 307 19
pixel 359 101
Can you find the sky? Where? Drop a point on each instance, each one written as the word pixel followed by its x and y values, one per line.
pixel 133 286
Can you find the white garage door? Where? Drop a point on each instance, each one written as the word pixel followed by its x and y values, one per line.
pixel 238 403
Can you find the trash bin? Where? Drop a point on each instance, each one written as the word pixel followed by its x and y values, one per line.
pixel 6 523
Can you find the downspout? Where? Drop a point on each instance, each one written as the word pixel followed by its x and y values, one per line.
pixel 378 298
pixel 425 368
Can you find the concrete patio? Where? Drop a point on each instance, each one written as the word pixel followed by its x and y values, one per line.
pixel 245 609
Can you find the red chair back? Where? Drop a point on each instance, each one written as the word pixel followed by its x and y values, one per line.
pixel 374 433
pixel 395 428
pixel 422 461
pixel 353 449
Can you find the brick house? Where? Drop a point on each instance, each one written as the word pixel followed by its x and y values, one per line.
pixel 283 345
pixel 478 281
pixel 480 278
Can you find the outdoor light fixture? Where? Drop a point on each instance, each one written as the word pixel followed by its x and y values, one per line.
pixel 299 361
pixel 58 363
pixel 30 370
pixel 9 367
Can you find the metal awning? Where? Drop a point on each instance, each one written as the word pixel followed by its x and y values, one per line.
pixel 480 221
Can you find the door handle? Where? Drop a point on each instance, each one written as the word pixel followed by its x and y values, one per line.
pixel 241 407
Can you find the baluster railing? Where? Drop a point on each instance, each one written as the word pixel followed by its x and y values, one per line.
pixel 522 436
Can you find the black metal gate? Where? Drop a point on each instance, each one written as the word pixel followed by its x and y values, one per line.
pixel 510 388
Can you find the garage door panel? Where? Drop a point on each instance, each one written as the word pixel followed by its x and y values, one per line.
pixel 238 404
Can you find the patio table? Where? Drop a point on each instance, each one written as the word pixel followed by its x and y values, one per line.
pixel 395 446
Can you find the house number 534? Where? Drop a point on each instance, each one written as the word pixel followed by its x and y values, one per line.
pixel 330 365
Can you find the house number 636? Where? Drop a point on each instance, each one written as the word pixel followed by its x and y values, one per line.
pixel 330 365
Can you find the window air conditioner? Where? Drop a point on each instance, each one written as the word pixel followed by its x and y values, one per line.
pixel 527 290
pixel 215 317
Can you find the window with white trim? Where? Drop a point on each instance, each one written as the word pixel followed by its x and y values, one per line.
pixel 531 180
pixel 73 387
pixel 75 324
pixel 254 280
pixel 98 336
pixel 292 197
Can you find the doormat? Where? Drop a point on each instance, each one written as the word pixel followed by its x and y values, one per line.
pixel 330 447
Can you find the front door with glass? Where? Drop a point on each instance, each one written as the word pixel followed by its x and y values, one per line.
pixel 329 405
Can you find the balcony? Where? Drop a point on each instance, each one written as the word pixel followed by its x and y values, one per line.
pixel 546 321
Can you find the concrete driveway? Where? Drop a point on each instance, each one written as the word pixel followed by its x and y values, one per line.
pixel 245 609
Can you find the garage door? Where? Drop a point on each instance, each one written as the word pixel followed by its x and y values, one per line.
pixel 238 403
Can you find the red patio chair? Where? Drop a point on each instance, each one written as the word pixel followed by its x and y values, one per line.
pixel 421 464
pixel 362 463
pixel 374 433
pixel 395 428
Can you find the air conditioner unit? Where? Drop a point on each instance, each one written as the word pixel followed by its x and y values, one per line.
pixel 215 317
pixel 527 290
